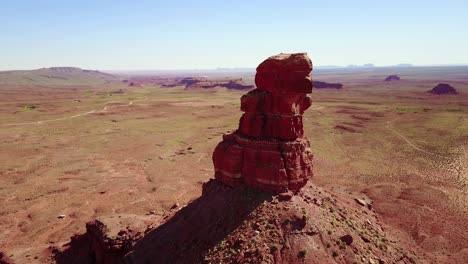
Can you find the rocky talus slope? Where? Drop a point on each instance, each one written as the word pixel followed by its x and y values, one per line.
pixel 244 225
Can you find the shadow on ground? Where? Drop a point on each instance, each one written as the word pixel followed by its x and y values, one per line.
pixel 185 237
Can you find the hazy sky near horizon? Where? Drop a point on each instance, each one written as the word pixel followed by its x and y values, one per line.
pixel 143 35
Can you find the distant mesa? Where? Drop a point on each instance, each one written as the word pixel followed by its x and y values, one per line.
pixel 205 83
pixel 64 69
pixel 325 85
pixel 392 78
pixel 53 76
pixel 74 70
pixel 443 88
pixel 367 65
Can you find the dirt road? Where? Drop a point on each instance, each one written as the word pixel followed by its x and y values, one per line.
pixel 389 127
pixel 73 116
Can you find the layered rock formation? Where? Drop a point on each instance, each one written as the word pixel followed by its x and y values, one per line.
pixel 443 88
pixel 268 150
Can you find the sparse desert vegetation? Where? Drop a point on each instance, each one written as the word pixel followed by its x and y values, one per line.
pixel 82 154
pixel 189 132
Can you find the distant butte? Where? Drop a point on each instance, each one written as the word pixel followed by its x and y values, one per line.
pixel 392 78
pixel 443 88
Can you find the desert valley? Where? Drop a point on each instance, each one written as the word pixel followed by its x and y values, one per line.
pixel 131 155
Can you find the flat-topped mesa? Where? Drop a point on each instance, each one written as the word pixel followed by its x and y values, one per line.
pixel 267 151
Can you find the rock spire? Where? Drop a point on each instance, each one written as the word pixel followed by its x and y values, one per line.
pixel 268 151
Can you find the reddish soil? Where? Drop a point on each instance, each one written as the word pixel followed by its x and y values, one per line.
pixel 346 128
pixel 93 155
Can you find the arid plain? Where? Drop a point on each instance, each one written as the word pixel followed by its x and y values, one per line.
pixel 76 146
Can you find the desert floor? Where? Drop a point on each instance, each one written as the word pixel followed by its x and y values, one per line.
pixel 85 152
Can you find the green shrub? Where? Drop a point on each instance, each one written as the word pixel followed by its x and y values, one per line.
pixel 28 107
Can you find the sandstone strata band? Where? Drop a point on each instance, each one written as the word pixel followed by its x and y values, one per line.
pixel 268 151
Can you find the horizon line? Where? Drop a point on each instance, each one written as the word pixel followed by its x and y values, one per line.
pixel 350 66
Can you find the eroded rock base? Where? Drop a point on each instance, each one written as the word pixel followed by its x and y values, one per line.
pixel 268 165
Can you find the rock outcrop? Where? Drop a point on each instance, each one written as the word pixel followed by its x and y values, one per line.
pixel 325 85
pixel 443 88
pixel 268 151
pixel 241 225
pixel 392 78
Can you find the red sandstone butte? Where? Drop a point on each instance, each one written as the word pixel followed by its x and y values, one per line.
pixel 268 151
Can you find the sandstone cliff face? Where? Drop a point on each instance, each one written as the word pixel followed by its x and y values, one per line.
pixel 267 151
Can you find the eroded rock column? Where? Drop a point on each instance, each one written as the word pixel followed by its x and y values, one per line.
pixel 268 150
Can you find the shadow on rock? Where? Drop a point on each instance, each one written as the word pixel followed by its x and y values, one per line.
pixel 184 238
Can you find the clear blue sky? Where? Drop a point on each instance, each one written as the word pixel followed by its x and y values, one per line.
pixel 176 34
